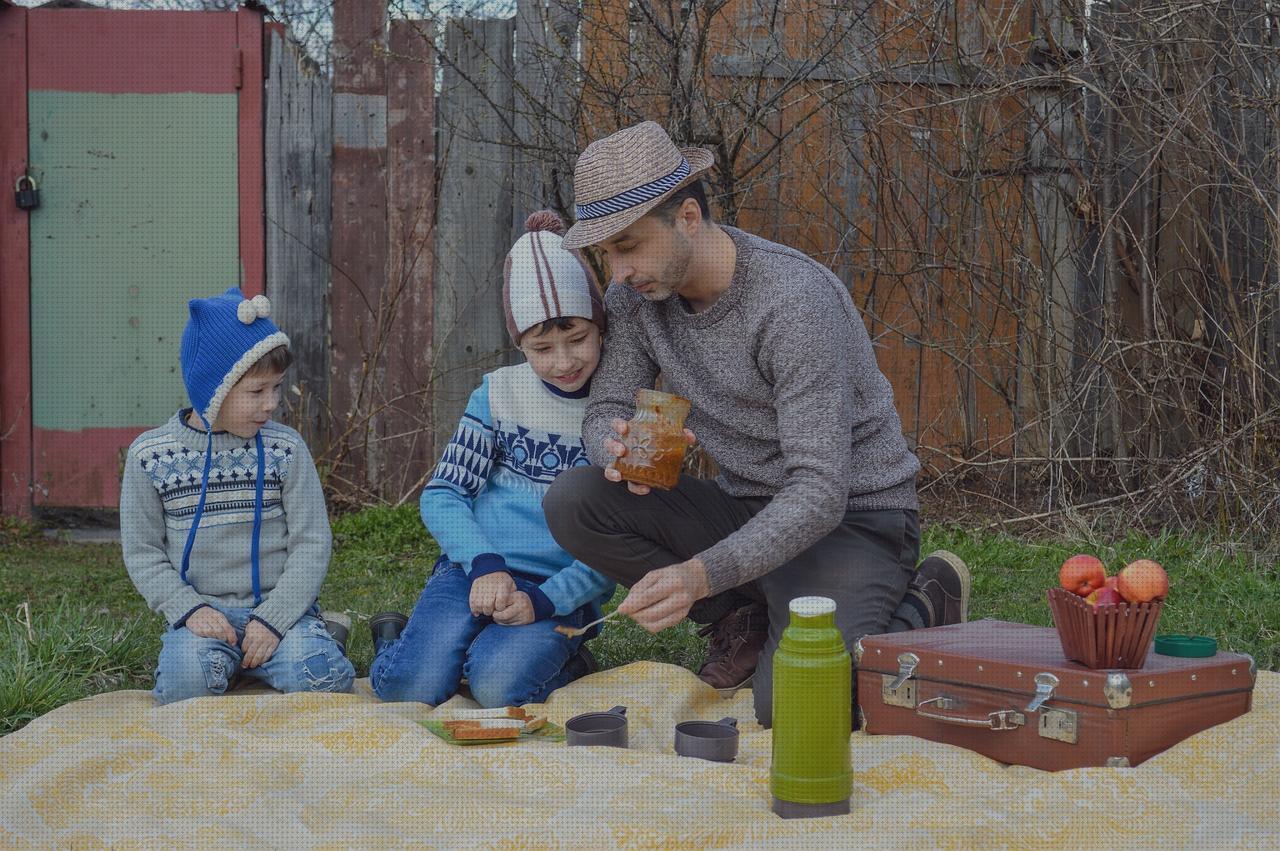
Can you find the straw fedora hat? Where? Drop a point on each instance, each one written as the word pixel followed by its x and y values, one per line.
pixel 623 176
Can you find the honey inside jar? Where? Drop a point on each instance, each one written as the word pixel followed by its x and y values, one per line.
pixel 655 440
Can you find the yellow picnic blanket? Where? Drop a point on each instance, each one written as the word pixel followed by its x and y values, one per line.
pixel 304 770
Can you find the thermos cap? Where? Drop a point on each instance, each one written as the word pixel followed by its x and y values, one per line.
pixel 812 607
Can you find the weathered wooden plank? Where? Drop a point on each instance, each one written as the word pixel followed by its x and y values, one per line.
pixel 249 36
pixel 299 145
pixel 359 236
pixel 1053 233
pixel 15 274
pixel 474 212
pixel 546 108
pixel 407 441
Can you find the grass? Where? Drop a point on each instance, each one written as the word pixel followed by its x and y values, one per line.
pixel 90 631
pixel 65 654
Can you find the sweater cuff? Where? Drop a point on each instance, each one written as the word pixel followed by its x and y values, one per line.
pixel 274 631
pixel 182 620
pixel 181 605
pixel 722 572
pixel 543 608
pixel 486 563
pixel 273 614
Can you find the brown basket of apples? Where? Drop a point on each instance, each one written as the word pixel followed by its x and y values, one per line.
pixel 1107 622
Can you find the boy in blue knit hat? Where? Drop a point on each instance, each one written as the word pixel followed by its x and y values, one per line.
pixel 502 586
pixel 223 519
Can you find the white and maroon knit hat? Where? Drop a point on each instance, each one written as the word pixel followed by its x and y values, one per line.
pixel 542 280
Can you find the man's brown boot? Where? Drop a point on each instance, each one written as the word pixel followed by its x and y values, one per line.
pixel 941 585
pixel 734 649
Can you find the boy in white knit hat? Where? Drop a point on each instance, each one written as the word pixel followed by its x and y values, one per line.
pixel 502 584
pixel 223 521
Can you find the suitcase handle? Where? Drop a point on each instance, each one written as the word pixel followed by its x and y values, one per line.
pixel 1001 719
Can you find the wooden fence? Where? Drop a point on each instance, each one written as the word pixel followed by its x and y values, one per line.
pixel 943 162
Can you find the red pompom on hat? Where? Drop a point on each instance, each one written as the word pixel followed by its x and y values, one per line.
pixel 544 220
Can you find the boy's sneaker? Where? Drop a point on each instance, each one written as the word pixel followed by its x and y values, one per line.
pixel 339 626
pixel 734 649
pixel 941 588
pixel 581 663
pixel 386 626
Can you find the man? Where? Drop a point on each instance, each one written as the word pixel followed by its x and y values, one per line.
pixel 816 492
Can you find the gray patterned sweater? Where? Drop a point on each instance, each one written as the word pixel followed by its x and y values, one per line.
pixel 158 501
pixel 787 399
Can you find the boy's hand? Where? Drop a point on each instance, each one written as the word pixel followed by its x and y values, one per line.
pixel 490 593
pixel 519 610
pixel 616 449
pixel 260 644
pixel 663 597
pixel 208 622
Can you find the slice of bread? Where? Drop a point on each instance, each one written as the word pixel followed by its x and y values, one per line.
pixel 483 723
pixel 497 712
pixel 473 732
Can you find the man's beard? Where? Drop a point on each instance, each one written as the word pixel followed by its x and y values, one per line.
pixel 672 275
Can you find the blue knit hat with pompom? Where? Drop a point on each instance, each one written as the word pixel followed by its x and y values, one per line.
pixel 224 337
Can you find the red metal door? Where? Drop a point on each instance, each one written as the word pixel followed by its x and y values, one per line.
pixel 144 130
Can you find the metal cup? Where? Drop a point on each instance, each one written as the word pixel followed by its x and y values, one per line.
pixel 713 740
pixel 598 728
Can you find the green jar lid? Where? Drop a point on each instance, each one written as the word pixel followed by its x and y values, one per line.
pixel 1195 646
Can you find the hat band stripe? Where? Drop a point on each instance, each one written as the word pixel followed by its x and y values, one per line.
pixel 633 197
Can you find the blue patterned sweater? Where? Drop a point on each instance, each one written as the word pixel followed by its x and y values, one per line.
pixel 484 503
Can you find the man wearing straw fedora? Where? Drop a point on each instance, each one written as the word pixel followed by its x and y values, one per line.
pixel 816 487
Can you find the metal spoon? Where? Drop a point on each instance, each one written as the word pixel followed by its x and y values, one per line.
pixel 570 632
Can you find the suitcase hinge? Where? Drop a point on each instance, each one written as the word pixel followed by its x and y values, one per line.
pixel 1118 690
pixel 1060 725
pixel 1045 684
pixel 899 690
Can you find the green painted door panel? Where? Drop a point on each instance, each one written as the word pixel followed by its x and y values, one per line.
pixel 138 214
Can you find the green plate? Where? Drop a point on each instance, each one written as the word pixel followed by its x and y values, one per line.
pixel 1188 646
pixel 549 731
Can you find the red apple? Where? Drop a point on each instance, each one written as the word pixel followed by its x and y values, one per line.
pixel 1111 582
pixel 1142 581
pixel 1106 596
pixel 1082 574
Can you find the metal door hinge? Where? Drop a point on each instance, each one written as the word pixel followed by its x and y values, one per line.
pixel 237 68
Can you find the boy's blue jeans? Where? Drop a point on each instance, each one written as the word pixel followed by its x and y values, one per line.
pixel 307 659
pixel 442 643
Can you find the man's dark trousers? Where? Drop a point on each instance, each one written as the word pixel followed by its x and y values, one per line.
pixel 864 564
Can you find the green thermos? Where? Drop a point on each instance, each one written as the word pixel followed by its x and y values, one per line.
pixel 812 674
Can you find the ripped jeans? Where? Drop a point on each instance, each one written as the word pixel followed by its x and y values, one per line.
pixel 307 659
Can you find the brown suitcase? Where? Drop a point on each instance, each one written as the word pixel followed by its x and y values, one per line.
pixel 1007 691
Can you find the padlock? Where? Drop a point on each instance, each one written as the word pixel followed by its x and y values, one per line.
pixel 28 196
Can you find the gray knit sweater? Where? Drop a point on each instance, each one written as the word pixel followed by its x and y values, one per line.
pixel 787 399
pixel 158 500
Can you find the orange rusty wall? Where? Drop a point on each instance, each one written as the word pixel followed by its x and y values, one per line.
pixel 940 301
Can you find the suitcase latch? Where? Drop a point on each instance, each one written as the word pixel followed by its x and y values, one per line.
pixel 900 691
pixel 1060 725
pixel 1045 684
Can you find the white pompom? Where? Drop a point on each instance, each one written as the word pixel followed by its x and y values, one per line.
pixel 262 306
pixel 245 312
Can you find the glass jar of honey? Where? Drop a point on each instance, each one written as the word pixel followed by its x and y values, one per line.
pixel 655 440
